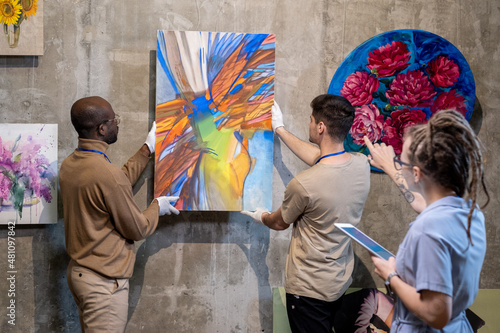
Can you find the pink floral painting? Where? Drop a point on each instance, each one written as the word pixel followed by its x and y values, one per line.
pixel 399 79
pixel 28 173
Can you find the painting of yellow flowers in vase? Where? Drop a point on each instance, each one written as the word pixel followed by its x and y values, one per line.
pixel 21 25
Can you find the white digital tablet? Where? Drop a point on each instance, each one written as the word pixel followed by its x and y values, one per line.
pixel 364 240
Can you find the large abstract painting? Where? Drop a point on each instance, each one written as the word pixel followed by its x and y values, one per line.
pixel 398 79
pixel 28 173
pixel 214 140
pixel 21 24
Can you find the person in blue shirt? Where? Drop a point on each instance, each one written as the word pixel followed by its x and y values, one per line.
pixel 435 274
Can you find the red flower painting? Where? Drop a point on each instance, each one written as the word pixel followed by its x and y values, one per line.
pixel 398 79
pixel 443 71
pixel 359 87
pixel 367 121
pixel 412 89
pixel 396 125
pixel 389 59
pixel 449 100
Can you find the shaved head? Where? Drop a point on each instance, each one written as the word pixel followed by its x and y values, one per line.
pixel 87 113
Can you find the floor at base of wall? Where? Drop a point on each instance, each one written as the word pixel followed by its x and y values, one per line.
pixel 486 307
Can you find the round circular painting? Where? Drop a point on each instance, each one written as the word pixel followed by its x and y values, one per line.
pixel 398 79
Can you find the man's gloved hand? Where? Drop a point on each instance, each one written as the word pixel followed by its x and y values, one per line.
pixel 151 139
pixel 277 120
pixel 166 207
pixel 256 215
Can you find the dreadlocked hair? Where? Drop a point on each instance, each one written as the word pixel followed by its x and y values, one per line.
pixel 448 151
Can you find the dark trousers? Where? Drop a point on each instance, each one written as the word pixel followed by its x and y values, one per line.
pixel 310 315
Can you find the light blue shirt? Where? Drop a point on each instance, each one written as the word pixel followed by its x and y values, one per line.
pixel 436 255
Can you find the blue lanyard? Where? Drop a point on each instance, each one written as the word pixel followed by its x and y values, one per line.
pixel 94 151
pixel 334 154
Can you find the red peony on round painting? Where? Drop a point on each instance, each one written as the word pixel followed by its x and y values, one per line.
pixel 398 79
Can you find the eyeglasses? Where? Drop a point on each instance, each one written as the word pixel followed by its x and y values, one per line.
pixel 116 119
pixel 398 164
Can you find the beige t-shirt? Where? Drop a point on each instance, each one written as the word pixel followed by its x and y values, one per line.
pixel 320 259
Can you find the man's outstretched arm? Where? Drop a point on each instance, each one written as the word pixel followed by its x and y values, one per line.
pixel 271 220
pixel 306 151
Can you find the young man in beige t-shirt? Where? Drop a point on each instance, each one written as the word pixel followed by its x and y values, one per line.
pixel 320 258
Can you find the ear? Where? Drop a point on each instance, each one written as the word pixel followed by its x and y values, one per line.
pixel 321 127
pixel 101 130
pixel 417 174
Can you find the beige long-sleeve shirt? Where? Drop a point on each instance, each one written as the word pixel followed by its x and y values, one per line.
pixel 101 218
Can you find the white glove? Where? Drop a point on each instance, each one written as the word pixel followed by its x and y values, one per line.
pixel 165 206
pixel 151 139
pixel 257 215
pixel 277 120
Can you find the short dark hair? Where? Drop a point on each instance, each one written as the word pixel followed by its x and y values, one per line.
pixel 87 114
pixel 336 112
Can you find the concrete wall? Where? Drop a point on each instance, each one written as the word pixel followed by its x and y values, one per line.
pixel 214 271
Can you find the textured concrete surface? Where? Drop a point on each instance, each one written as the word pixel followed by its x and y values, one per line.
pixel 213 271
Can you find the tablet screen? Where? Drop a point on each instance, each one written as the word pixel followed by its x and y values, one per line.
pixel 364 240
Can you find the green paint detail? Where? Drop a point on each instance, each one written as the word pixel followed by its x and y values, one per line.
pixel 17 192
pixel 214 140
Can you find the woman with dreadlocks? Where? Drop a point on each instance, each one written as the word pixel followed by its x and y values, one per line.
pixel 435 274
